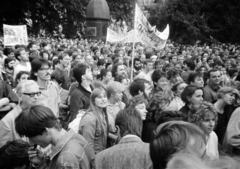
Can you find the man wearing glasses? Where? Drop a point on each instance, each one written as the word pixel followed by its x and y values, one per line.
pixel 28 93
pixel 41 73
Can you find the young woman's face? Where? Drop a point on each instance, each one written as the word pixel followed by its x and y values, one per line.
pixel 197 97
pixel 162 83
pixel 198 81
pixel 229 98
pixel 180 89
pixel 101 100
pixel 208 123
pixel 141 108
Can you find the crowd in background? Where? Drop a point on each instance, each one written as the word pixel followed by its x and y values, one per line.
pixel 79 104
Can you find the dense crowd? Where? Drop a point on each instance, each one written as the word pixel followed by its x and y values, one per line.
pixel 87 104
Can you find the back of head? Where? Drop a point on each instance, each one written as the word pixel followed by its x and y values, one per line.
pixel 79 70
pixel 34 120
pixel 137 86
pixel 14 154
pixel 129 121
pixel 170 138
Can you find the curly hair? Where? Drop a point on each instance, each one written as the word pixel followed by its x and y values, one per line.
pixel 136 100
pixel 199 113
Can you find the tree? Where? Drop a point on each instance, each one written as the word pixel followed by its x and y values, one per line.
pixel 192 20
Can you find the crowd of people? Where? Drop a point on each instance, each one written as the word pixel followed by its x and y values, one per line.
pixel 79 104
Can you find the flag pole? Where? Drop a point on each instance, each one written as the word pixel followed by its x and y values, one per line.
pixel 133 52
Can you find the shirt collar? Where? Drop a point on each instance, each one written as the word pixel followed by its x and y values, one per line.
pixel 61 143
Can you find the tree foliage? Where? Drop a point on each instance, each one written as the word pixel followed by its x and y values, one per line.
pixel 204 20
pixel 47 15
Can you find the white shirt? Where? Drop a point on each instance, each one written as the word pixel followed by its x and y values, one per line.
pixel 19 67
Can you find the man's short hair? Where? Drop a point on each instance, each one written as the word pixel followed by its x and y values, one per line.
pixel 14 154
pixel 170 138
pixel 192 76
pixel 79 70
pixel 36 65
pixel 18 52
pixel 210 71
pixel 137 86
pixel 34 120
pixel 129 121
pixel 190 63
pixel 58 77
pixel 113 87
pixel 156 75
pixel 62 55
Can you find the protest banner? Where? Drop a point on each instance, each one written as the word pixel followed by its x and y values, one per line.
pixel 147 34
pixel 15 35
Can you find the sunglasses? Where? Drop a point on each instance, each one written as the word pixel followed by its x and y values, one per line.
pixel 33 94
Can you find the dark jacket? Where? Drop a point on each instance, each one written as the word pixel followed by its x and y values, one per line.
pixel 79 99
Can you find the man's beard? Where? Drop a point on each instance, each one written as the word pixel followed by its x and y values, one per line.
pixel 138 67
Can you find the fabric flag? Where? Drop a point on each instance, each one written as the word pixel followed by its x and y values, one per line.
pixel 15 35
pixel 147 34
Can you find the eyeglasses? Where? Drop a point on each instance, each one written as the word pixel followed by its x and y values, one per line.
pixel 33 94
pixel 45 69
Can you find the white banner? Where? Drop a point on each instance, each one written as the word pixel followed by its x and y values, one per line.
pixel 15 35
pixel 115 37
pixel 147 34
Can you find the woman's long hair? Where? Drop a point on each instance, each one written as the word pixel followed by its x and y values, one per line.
pixel 95 110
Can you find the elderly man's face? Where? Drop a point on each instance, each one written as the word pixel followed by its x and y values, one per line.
pixel 30 95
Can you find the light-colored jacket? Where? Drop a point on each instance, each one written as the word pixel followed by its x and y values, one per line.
pixel 130 153
pixel 7 127
pixel 71 152
pixel 94 130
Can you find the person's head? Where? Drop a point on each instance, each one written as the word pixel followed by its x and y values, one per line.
pixel 172 137
pixel 137 64
pixel 139 103
pixel 174 76
pixel 228 94
pixel 21 76
pixel 205 116
pixel 160 80
pixel 129 121
pixel 64 59
pixel 178 88
pixel 32 46
pixel 89 60
pixel 28 92
pixel 98 100
pixel 14 155
pixel 9 63
pixel 21 55
pixel 101 64
pixel 82 72
pixel 118 69
pixel 170 116
pixel 173 59
pixel 214 76
pixel 148 65
pixel 41 69
pixel 78 58
pixel 140 86
pixel 192 95
pixel 58 78
pixel 189 64
pixel 181 59
pixel 122 79
pixel 45 55
pixel 38 123
pixel 105 75
pixel 9 52
pixel 115 91
pixel 196 78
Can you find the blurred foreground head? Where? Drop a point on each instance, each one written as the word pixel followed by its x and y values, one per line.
pixel 172 137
